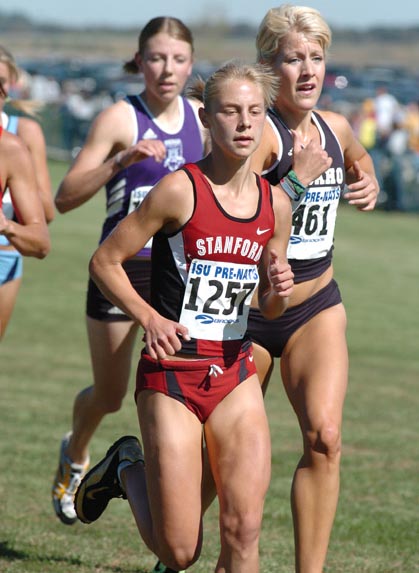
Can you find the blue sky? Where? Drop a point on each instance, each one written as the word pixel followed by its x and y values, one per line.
pixel 338 13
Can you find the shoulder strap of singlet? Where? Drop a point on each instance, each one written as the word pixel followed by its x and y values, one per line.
pixel 322 124
pixel 191 168
pixel 265 187
pixel 12 125
pixel 264 183
pixel 194 174
pixel 134 100
pixel 9 122
pixel 193 171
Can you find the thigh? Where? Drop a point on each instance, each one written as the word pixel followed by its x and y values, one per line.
pixel 314 368
pixel 111 350
pixel 172 441
pixel 238 443
pixel 264 365
pixel 8 296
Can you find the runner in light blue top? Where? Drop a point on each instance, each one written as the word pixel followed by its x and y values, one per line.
pixel 30 132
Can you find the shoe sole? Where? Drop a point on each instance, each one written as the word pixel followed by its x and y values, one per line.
pixel 82 489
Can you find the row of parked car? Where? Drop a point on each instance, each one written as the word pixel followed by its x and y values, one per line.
pixel 89 85
pixel 342 82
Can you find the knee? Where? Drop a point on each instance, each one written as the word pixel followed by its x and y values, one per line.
pixel 112 403
pixel 107 401
pixel 179 557
pixel 326 441
pixel 241 532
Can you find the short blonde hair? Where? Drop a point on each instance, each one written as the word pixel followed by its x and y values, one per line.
pixel 279 22
pixel 258 74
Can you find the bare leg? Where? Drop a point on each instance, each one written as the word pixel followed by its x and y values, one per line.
pixel 314 370
pixel 8 296
pixel 264 365
pixel 209 491
pixel 111 349
pixel 165 494
pixel 238 442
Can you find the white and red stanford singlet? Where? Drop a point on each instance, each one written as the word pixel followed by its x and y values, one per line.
pixel 204 275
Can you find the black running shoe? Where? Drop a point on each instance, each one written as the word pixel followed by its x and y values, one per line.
pixel 101 483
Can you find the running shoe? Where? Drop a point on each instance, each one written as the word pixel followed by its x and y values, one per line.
pixel 160 568
pixel 101 483
pixel 66 482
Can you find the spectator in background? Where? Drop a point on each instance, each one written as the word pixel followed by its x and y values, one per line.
pixel 398 140
pixel 78 109
pixel 387 111
pixel 397 148
pixel 367 125
pixel 411 123
pixel 45 89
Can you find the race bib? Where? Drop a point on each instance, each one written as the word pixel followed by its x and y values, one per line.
pixel 313 224
pixel 217 299
pixel 136 198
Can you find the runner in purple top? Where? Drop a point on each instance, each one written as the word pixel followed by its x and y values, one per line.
pixel 128 187
pixel 129 148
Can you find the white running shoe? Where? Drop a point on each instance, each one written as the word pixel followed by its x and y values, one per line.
pixel 66 482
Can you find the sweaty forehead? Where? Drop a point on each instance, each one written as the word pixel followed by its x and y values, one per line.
pixel 298 41
pixel 164 42
pixel 240 88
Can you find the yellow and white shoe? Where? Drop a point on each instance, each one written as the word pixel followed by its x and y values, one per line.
pixel 66 482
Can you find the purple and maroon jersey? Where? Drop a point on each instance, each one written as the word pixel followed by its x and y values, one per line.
pixel 126 190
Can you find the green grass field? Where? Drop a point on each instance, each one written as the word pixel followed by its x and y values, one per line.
pixel 44 362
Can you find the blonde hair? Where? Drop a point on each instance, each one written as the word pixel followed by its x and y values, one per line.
pixel 29 107
pixel 279 22
pixel 173 27
pixel 258 74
